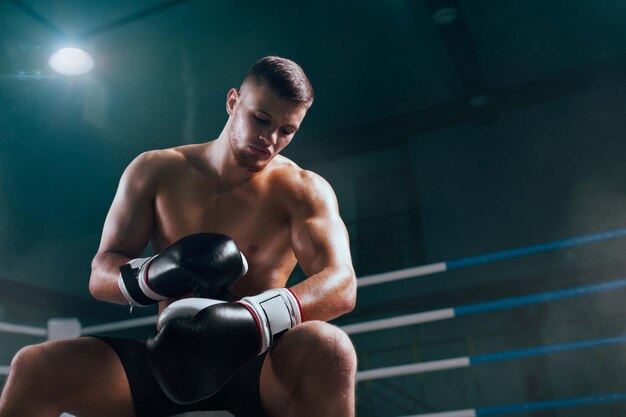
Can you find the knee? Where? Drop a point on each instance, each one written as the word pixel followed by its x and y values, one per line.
pixel 27 363
pixel 324 350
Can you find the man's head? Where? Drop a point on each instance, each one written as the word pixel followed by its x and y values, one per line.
pixel 286 78
pixel 267 110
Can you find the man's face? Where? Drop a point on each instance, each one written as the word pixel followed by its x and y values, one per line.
pixel 262 124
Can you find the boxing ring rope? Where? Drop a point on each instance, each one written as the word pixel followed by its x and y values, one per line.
pixel 441 314
pixel 412 319
pixel 449 313
pixel 438 267
pixel 467 361
pixel 20 329
pixel 533 406
pixel 404 274
pixel 383 324
pixel 120 325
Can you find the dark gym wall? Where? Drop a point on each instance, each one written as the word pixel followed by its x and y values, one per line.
pixel 537 174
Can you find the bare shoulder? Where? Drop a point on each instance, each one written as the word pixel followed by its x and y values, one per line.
pixel 167 157
pixel 154 164
pixel 301 188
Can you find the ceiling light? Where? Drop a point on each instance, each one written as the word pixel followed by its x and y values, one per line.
pixel 445 15
pixel 71 61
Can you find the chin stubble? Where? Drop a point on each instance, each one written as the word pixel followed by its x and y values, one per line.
pixel 244 161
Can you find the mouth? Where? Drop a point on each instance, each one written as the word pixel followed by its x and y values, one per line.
pixel 261 151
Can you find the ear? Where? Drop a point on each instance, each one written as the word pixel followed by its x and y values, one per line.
pixel 231 101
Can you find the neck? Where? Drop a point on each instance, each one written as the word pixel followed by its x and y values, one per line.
pixel 222 161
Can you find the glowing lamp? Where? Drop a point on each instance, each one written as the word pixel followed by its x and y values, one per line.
pixel 71 61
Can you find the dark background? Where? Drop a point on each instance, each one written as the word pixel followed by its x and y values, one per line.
pixel 502 129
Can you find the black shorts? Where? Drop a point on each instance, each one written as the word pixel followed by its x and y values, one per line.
pixel 240 396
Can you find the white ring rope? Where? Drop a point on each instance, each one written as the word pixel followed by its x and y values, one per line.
pixel 120 325
pixel 20 329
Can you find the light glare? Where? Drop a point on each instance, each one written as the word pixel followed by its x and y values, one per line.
pixel 71 61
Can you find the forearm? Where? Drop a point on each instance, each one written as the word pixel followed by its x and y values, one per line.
pixel 103 283
pixel 327 294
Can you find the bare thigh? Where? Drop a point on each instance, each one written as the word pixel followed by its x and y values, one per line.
pixel 81 376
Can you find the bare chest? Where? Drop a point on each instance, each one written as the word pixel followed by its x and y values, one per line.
pixel 251 216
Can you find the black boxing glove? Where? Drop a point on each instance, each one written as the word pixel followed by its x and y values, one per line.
pixel 203 343
pixel 204 264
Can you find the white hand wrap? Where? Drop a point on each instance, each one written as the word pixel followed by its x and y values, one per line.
pixel 276 311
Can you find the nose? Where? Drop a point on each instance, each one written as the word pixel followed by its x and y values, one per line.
pixel 269 137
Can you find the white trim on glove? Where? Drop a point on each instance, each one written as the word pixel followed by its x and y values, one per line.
pixel 276 311
pixel 186 308
pixel 141 265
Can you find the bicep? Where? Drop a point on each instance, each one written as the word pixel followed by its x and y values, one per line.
pixel 321 243
pixel 318 235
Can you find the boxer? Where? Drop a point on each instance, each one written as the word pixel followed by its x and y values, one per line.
pixel 288 363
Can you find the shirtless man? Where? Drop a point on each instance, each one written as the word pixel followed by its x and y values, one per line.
pixel 277 213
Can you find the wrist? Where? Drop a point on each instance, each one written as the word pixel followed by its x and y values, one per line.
pixel 275 311
pixel 133 284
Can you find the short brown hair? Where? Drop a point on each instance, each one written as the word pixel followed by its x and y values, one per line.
pixel 283 76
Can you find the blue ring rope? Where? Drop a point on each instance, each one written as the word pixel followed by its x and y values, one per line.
pixel 552 404
pixel 545 350
pixel 543 247
pixel 538 298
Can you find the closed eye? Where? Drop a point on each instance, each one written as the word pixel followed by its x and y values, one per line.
pixel 260 121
